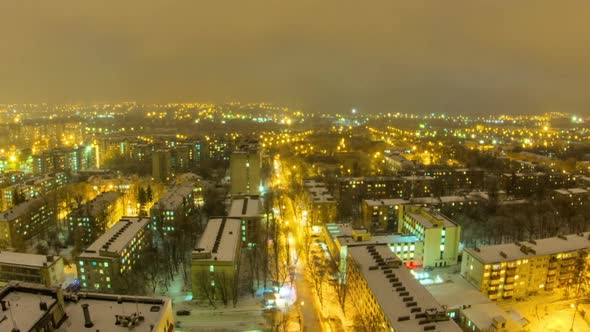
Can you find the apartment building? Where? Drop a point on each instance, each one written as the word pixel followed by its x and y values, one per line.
pixel 102 266
pixel 388 297
pixel 245 165
pixel 440 235
pixel 323 206
pixel 26 220
pixel 94 218
pixel 215 261
pixel 248 209
pixel 174 205
pixel 516 270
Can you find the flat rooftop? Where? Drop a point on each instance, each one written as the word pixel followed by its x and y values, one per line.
pixel 22 259
pixel 98 204
pixel 22 208
pixel 117 237
pixel 24 307
pixel 221 238
pixel 343 234
pixel 432 220
pixel 25 301
pixel 103 308
pixel 388 202
pixel 245 207
pixel 385 278
pixel 173 198
pixel 542 247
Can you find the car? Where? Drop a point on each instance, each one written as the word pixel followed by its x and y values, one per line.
pixel 183 313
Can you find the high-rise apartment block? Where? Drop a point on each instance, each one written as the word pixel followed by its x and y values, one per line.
pixel 245 165
pixel 162 165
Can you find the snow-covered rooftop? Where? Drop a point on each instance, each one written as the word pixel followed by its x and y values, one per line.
pixel 398 293
pixel 542 247
pixel 245 207
pixel 117 237
pixel 103 308
pixel 343 234
pixel 25 309
pixel 19 210
pixel 220 238
pixel 96 206
pixel 22 259
pixel 429 218
pixel 388 202
pixel 173 198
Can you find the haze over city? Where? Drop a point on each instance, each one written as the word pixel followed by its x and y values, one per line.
pixel 473 57
pixel 273 166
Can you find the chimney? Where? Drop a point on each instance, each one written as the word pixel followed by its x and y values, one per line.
pixel 49 258
pixel 43 306
pixel 87 322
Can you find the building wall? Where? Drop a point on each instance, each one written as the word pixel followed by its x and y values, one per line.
pixel 105 273
pixel 49 275
pixel 441 243
pixel 213 278
pixel 508 279
pixel 245 172
pixel 359 293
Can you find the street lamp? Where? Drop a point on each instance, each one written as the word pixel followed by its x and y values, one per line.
pixel 575 307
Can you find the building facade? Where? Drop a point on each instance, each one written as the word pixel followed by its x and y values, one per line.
pixel 39 269
pixel 103 265
pixel 26 220
pixel 245 167
pixel 94 218
pixel 440 235
pixel 516 270
pixel 215 261
pixel 175 205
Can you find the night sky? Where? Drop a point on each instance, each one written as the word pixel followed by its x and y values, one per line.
pixel 467 56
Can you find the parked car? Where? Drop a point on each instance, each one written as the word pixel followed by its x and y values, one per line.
pixel 183 313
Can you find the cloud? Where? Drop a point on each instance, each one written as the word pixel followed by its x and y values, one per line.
pixel 423 56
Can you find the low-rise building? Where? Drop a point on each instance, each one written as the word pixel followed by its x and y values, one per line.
pixel 516 270
pixel 39 269
pixel 35 308
pixel 388 297
pixel 440 235
pixel 103 265
pixel 215 261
